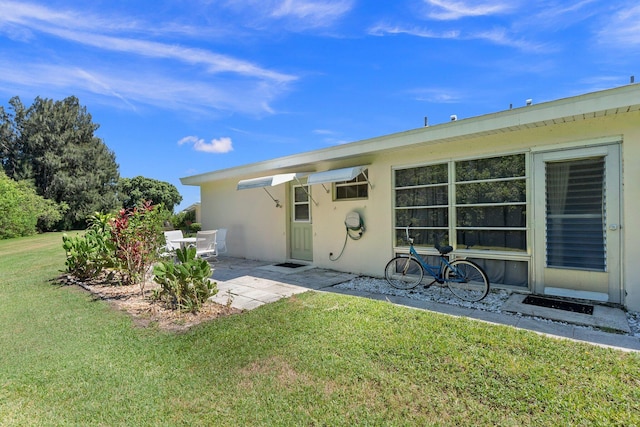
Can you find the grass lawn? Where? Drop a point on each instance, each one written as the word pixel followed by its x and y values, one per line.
pixel 313 359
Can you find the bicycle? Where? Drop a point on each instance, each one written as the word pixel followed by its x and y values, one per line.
pixel 464 278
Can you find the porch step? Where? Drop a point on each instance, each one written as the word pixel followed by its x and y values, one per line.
pixel 603 317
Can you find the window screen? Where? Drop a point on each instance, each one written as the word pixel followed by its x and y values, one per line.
pixel 575 207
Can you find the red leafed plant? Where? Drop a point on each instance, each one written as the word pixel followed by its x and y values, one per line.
pixel 137 235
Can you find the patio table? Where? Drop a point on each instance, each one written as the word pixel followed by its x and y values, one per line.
pixel 186 241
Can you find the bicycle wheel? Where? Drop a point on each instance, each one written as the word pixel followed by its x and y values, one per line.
pixel 467 280
pixel 403 272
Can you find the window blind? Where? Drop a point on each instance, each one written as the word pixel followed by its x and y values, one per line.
pixel 575 214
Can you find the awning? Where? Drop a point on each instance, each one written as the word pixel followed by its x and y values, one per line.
pixel 273 180
pixel 267 181
pixel 337 175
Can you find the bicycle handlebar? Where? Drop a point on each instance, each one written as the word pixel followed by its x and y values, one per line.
pixel 406 230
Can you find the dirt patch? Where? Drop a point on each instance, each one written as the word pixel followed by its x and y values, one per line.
pixel 277 368
pixel 144 310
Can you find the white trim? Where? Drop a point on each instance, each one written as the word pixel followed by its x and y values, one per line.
pixel 294 203
pixel 583 143
pixel 612 155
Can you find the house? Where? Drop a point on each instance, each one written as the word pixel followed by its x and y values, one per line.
pixel 544 197
pixel 195 208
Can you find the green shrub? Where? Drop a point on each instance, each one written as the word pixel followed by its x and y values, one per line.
pixel 90 254
pixel 186 285
pixel 195 227
pixel 137 236
pixel 87 255
pixel 181 220
pixel 23 210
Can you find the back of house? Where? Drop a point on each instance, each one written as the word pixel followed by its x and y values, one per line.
pixel 543 197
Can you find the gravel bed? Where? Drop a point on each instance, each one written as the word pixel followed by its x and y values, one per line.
pixel 493 302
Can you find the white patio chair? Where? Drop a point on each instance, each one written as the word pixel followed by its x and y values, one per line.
pixel 221 241
pixel 206 244
pixel 169 250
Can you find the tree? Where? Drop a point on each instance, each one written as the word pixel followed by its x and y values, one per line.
pixel 53 145
pixel 132 191
pixel 12 150
pixel 22 209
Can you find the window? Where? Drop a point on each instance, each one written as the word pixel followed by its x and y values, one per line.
pixel 422 200
pixel 477 205
pixel 301 207
pixel 357 188
pixel 490 203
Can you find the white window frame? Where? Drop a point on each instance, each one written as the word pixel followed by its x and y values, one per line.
pixel 352 183
pixel 506 255
pixel 295 203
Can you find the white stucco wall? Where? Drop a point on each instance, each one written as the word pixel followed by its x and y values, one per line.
pixel 631 216
pixel 256 229
pixel 259 230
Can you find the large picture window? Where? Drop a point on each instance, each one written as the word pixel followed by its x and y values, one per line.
pixel 478 205
pixel 491 203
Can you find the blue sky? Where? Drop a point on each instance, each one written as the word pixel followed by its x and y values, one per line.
pixel 181 87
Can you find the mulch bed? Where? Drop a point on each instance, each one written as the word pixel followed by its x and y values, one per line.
pixel 144 310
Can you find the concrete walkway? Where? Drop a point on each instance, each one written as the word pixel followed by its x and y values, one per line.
pixel 251 284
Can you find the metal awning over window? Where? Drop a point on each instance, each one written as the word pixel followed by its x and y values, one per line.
pixel 270 181
pixel 267 181
pixel 337 175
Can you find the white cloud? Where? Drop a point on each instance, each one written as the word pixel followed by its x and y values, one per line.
pixel 292 15
pixel 436 95
pixel 168 75
pixel 218 146
pixel 503 37
pixel 383 29
pixel 323 132
pixel 623 28
pixel 498 36
pixel 40 17
pixel 69 26
pixel 142 86
pixel 451 10
pixel 316 12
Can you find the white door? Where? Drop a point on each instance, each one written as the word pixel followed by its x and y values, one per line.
pixel 301 229
pixel 577 222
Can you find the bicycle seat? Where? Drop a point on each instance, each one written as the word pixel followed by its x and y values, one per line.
pixel 444 249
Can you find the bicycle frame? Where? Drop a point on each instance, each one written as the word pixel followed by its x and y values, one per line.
pixel 433 270
pixel 465 279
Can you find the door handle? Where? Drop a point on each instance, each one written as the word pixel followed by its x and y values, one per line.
pixel 613 227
